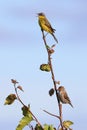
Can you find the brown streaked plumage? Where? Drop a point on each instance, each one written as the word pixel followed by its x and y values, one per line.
pixel 63 96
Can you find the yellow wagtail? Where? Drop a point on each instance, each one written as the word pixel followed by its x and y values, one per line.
pixel 45 25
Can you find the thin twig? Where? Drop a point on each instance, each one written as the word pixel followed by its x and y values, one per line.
pixel 53 79
pixel 51 114
pixel 26 106
pixel 18 95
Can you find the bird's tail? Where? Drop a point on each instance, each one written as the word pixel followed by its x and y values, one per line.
pixel 54 37
pixel 71 104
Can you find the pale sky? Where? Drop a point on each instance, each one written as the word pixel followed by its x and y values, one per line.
pixel 22 52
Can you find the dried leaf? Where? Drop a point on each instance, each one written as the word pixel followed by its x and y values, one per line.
pixel 51 91
pixel 14 81
pixel 58 82
pixel 10 99
pixel 51 51
pixel 20 88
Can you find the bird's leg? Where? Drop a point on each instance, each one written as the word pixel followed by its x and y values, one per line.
pixel 46 34
pixel 43 33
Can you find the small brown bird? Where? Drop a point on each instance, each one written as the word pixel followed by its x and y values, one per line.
pixel 63 96
pixel 45 25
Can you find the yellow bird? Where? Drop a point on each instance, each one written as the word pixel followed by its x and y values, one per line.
pixel 45 25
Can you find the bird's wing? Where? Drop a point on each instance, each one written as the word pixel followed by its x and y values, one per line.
pixel 47 23
pixel 66 97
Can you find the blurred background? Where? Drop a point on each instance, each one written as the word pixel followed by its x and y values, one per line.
pixel 22 52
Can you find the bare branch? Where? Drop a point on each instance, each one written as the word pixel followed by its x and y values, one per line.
pixel 25 105
pixel 53 79
pixel 51 114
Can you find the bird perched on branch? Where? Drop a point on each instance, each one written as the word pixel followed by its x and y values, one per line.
pixel 45 25
pixel 63 96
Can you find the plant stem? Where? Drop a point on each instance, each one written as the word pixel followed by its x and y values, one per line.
pixel 53 79
pixel 51 114
pixel 26 106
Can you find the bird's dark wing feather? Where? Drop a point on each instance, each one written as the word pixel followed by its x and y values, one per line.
pixel 66 97
pixel 47 23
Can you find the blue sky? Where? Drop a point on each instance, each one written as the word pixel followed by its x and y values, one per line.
pixel 22 51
